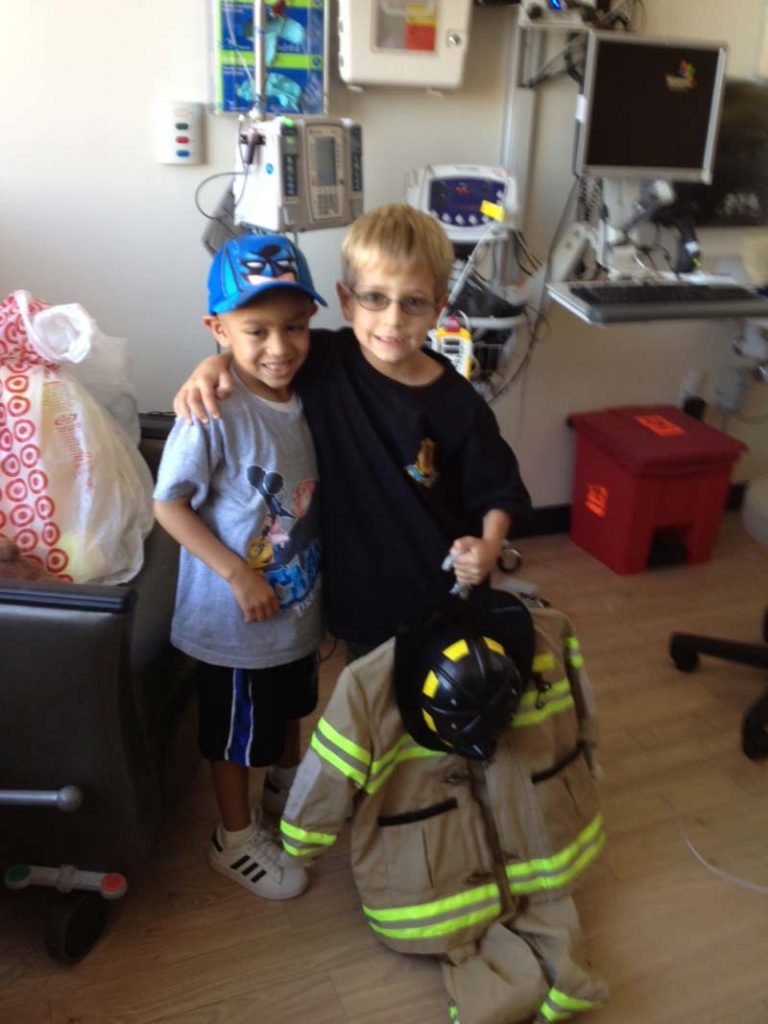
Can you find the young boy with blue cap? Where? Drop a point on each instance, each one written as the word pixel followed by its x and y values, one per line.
pixel 412 460
pixel 239 495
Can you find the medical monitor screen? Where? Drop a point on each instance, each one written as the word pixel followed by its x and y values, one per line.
pixel 650 107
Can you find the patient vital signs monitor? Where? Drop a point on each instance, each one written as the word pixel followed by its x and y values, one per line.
pixel 650 108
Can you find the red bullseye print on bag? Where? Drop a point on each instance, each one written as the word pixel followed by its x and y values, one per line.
pixel 27 513
pixel 75 494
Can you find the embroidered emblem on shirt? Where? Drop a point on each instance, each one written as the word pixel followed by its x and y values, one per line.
pixel 423 469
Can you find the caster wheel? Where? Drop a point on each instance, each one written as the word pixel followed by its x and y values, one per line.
pixel 509 560
pixel 685 660
pixel 75 922
pixel 754 737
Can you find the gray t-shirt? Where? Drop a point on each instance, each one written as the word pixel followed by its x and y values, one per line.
pixel 251 476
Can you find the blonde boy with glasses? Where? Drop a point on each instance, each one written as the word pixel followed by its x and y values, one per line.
pixel 412 465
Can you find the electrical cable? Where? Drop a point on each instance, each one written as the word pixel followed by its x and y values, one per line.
pixel 212 216
pixel 539 309
pixel 743 883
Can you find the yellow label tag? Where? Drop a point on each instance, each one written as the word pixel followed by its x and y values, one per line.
pixel 492 210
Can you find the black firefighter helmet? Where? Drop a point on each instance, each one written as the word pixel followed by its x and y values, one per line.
pixel 460 670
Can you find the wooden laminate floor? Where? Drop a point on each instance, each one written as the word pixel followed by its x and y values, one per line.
pixel 676 943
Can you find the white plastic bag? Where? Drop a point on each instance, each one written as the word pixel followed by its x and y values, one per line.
pixel 68 334
pixel 75 494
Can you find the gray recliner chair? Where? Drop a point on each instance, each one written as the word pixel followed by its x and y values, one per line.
pixel 92 695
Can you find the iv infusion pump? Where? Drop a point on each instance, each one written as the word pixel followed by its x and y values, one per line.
pixel 300 173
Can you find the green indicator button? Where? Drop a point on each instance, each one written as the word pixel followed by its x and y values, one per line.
pixel 181 125
pixel 17 873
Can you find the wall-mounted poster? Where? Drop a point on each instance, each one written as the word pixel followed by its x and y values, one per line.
pixel 294 56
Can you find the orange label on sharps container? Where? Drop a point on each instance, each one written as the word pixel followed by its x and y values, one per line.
pixel 420 27
pixel 597 499
pixel 660 425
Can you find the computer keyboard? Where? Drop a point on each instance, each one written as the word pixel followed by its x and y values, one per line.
pixel 616 301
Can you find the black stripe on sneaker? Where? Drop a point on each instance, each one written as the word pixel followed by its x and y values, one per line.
pixel 260 875
pixel 253 866
pixel 239 862
pixel 215 841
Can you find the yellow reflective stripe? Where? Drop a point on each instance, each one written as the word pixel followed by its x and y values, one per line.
pixel 434 907
pixel 554 707
pixel 359 754
pixel 430 684
pixel 571 1002
pixel 432 931
pixel 319 838
pixel 383 761
pixel 557 860
pixel 559 1006
pixel 558 689
pixel 396 756
pixel 456 650
pixel 545 871
pixel 574 652
pixel 493 645
pixel 333 759
pixel 545 882
pixel 542 662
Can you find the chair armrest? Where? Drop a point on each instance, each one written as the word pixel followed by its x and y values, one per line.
pixel 57 594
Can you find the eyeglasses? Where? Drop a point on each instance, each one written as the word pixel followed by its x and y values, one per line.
pixel 411 305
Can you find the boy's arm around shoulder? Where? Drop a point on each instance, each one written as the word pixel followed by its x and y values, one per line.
pixel 199 395
pixel 334 769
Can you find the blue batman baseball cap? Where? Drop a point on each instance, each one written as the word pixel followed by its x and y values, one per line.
pixel 251 265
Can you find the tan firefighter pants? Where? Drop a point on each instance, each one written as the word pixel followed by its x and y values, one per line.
pixel 530 968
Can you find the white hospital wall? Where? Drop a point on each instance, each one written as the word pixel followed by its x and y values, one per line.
pixel 87 215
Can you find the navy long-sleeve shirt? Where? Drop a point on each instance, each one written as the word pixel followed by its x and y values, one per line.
pixel 404 471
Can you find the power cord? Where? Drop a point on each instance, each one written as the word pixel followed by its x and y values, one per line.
pixel 743 883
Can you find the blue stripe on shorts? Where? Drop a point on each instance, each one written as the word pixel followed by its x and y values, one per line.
pixel 241 728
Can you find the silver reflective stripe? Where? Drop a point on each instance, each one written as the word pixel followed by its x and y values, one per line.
pixel 341 753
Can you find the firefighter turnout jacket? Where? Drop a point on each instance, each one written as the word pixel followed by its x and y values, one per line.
pixel 442 847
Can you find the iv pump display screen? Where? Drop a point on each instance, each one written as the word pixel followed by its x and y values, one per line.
pixel 325 156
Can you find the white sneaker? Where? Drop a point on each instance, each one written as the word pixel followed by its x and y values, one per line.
pixel 259 865
pixel 274 793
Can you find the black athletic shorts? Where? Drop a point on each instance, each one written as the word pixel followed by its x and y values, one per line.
pixel 243 712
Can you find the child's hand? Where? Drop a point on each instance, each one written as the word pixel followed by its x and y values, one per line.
pixel 198 395
pixel 474 558
pixel 255 596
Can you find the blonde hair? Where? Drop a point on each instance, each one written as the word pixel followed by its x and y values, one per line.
pixel 397 234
